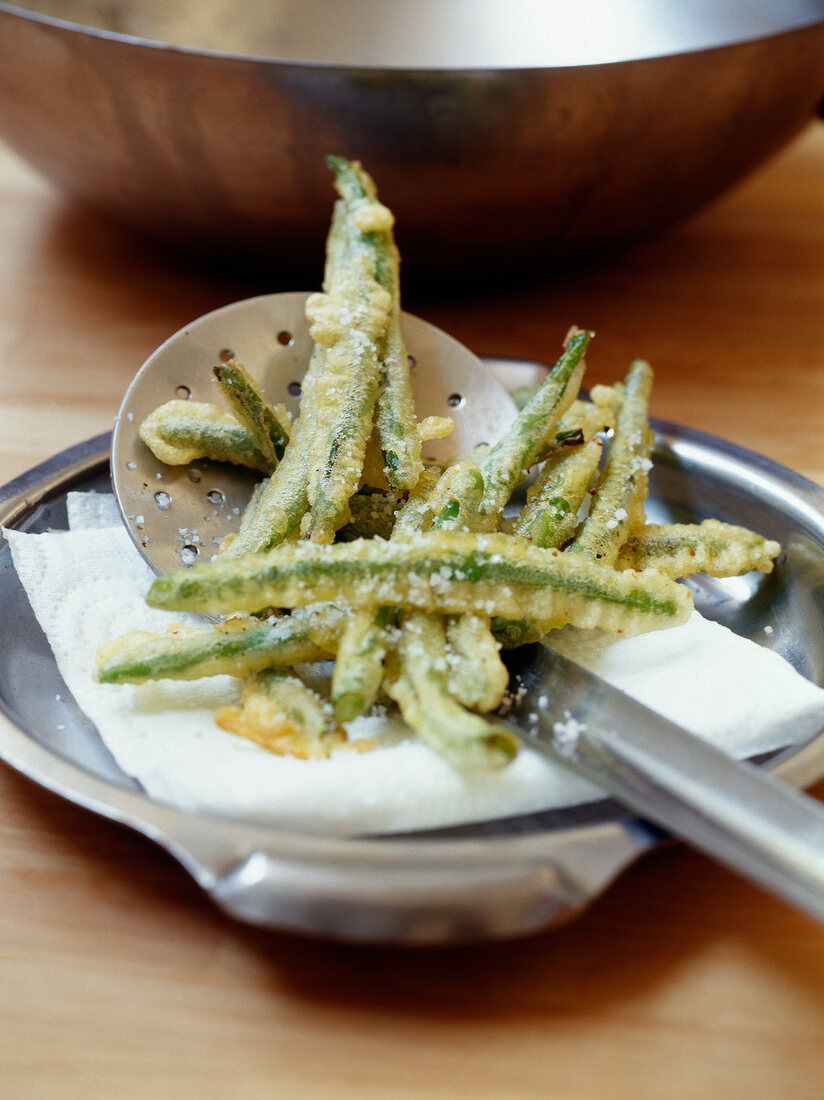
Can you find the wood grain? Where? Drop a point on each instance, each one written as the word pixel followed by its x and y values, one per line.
pixel 120 980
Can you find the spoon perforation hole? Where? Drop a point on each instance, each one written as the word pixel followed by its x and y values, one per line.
pixel 294 389
pixel 183 392
pixel 285 338
pixel 456 401
pixel 226 354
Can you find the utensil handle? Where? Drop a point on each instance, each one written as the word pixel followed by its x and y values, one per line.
pixel 732 810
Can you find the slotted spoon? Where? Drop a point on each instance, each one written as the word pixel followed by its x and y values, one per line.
pixel 178 514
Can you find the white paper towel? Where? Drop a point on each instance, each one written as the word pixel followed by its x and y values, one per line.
pixel 87 585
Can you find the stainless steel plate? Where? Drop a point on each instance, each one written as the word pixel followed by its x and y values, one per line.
pixel 491 880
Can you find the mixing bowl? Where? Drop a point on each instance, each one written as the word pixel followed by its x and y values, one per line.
pixel 502 132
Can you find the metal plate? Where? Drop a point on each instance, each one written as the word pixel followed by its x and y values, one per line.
pixel 493 880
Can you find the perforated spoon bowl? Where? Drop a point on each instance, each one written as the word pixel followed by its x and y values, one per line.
pixel 178 514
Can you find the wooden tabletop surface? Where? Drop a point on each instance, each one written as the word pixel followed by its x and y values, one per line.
pixel 119 979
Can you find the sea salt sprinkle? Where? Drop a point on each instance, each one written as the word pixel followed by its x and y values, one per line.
pixel 619 517
pixel 567 733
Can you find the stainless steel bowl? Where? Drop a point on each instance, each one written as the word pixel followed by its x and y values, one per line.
pixel 501 131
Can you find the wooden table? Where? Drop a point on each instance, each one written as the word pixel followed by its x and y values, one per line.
pixel 118 979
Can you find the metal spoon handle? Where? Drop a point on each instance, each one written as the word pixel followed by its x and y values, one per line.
pixel 735 812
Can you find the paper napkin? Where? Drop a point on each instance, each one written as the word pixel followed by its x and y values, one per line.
pixel 87 585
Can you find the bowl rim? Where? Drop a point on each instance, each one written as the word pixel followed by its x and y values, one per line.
pixel 809 14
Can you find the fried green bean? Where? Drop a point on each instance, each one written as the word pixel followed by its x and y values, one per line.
pixel 416 515
pixel 367 227
pixel 550 516
pixel 236 647
pixel 282 714
pixel 347 321
pixel 246 518
pixel 268 427
pixel 618 505
pixel 350 321
pixel 477 676
pixel 276 511
pixel 365 639
pixel 180 432
pixel 418 683
pixel 364 643
pixel 681 549
pixel 358 671
pixel 511 633
pixel 507 461
pixel 395 416
pixel 450 572
pixel 454 502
